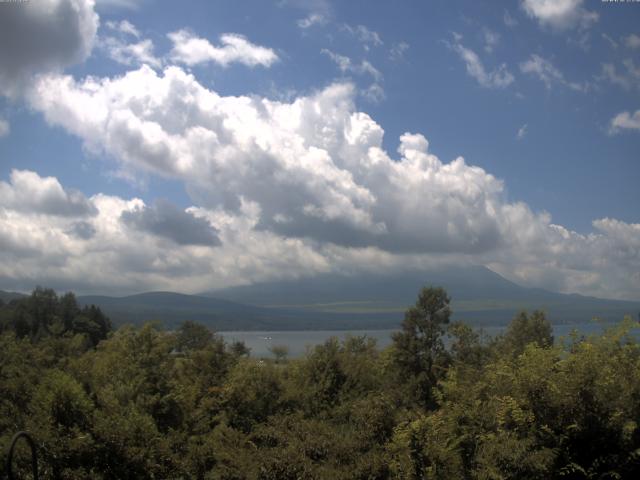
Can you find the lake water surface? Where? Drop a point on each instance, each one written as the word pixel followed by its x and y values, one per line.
pixel 299 341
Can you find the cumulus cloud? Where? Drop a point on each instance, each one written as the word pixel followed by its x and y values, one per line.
pixel 560 14
pixel 166 220
pixel 498 78
pixel 625 121
pixel 192 50
pixel 82 230
pixel 30 193
pixel 43 36
pixel 314 166
pixel 290 187
pixel 103 254
pixel 547 73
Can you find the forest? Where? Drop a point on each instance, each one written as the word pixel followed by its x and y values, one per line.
pixel 147 403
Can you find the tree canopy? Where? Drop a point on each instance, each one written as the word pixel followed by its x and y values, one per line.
pixel 443 401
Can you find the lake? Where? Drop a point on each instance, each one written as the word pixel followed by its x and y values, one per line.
pixel 299 341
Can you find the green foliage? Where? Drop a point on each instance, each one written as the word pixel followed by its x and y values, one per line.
pixel 418 348
pixel 280 352
pixel 145 403
pixel 526 329
pixel 44 314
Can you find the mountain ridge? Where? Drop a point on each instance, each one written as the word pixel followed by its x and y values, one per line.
pixel 359 302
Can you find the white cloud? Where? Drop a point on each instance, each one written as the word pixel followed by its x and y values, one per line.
pixel 166 220
pixel 5 127
pixel 43 36
pixel 119 4
pixel 312 19
pixel 124 27
pixel 491 39
pixel 368 38
pixel 522 132
pixel 509 21
pixel 131 54
pixel 548 73
pixel 192 50
pixel 120 48
pixel 628 77
pixel 103 253
pixel 288 188
pixel 346 65
pixel 398 50
pixel 610 73
pixel 497 78
pixel 374 93
pixel 560 14
pixel 29 193
pixel 314 167
pixel 632 41
pixel 625 121
pixel 610 41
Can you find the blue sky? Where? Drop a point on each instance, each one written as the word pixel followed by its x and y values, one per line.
pixel 540 98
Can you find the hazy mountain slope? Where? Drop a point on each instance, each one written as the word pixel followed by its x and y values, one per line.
pixel 479 295
pixel 8 296
pixel 472 283
pixel 172 308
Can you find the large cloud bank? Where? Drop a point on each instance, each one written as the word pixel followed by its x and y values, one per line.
pixel 313 173
pixel 278 189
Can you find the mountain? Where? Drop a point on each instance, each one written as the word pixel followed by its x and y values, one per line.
pixel 479 296
pixel 171 309
pixel 8 296
pixel 371 301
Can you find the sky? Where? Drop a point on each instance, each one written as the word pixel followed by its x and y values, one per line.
pixel 188 146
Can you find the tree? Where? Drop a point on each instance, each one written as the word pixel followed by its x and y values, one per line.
pixel 525 329
pixel 419 351
pixel 193 336
pixel 280 352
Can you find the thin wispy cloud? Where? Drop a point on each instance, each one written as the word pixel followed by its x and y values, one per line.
pixel 522 132
pixel 499 77
pixel 548 73
pixel 124 27
pixel 368 38
pixel 491 39
pixel 311 20
pixel 346 65
pixel 632 41
pixel 508 20
pixel 398 51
